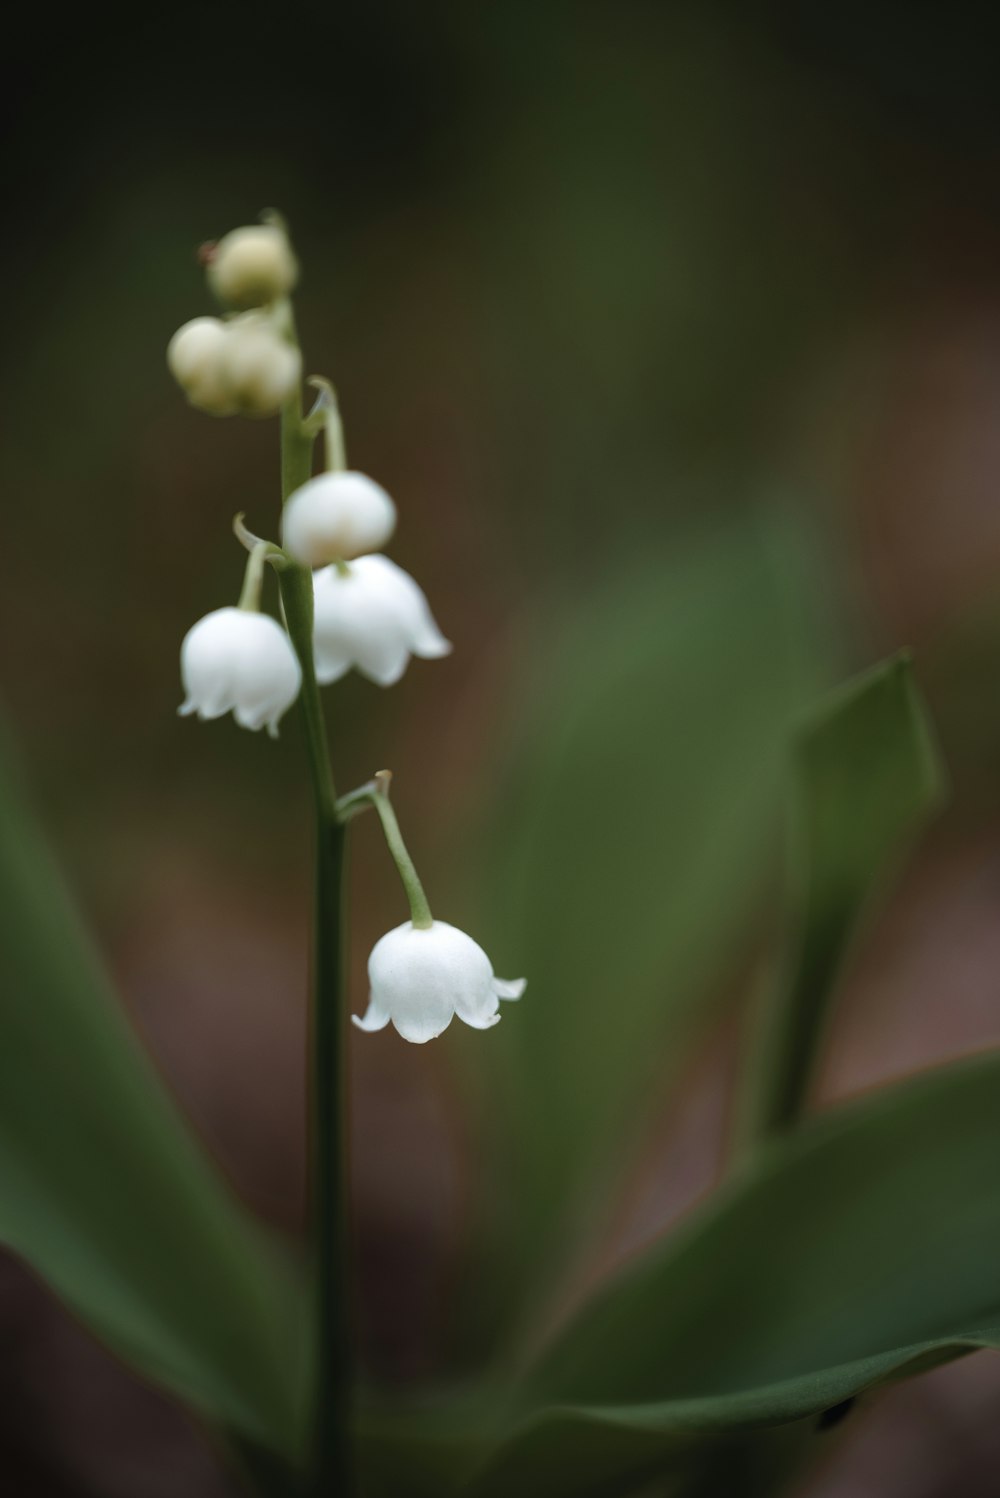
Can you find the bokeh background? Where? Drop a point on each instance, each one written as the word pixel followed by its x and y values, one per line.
pixel 674 329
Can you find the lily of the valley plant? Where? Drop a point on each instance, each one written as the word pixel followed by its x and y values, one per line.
pixel 364 610
pixel 343 605
pixel 842 1251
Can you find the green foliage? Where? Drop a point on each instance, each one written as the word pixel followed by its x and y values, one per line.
pixel 102 1187
pixel 853 1251
pixel 635 849
pixel 860 1248
pixel 866 777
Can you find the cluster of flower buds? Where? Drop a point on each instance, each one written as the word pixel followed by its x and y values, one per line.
pixel 368 613
pixel 246 364
pixel 241 367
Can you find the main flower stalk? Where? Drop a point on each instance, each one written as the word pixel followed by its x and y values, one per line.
pixel 358 610
pixel 329 1434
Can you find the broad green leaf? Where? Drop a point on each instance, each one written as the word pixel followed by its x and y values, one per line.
pixel 866 778
pixel 635 849
pixel 438 1452
pixel 103 1189
pixel 860 1248
pixel 615 1453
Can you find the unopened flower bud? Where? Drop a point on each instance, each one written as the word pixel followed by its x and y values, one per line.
pixel 260 368
pixel 196 356
pixel 253 266
pixel 373 616
pixel 236 660
pixel 336 517
pixel 421 978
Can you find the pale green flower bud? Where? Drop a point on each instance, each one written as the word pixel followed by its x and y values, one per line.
pixel 253 266
pixel 196 356
pixel 261 369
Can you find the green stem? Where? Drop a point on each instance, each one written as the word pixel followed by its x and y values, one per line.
pixel 330 1458
pixel 352 803
pixel 253 577
pixel 336 448
pixel 332 1464
pixel 325 417
pixel 420 910
pixel 296 441
pixel 297 598
pixel 375 793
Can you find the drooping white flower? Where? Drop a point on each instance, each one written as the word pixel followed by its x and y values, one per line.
pixel 421 977
pixel 236 660
pixel 252 266
pixel 372 615
pixel 335 517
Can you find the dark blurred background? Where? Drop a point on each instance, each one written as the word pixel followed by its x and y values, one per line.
pixel 600 287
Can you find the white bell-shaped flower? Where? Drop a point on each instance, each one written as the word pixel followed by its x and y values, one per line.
pixel 236 660
pixel 421 977
pixel 335 517
pixel 372 615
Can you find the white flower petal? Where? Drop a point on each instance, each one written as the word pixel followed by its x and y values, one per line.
pixel 412 976
pixel 478 1010
pixel 401 596
pixel 268 674
pixel 216 707
pixel 252 718
pixel 375 1017
pixel 240 661
pixel 419 1028
pixel 336 517
pixel 420 978
pixel 330 664
pixel 371 615
pixel 480 1021
pixel 352 624
pixel 509 988
pixel 429 643
pixel 408 602
pixel 382 659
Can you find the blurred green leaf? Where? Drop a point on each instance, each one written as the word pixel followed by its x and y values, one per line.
pixel 867 776
pixel 636 847
pixel 437 1452
pixel 861 1248
pixel 103 1189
